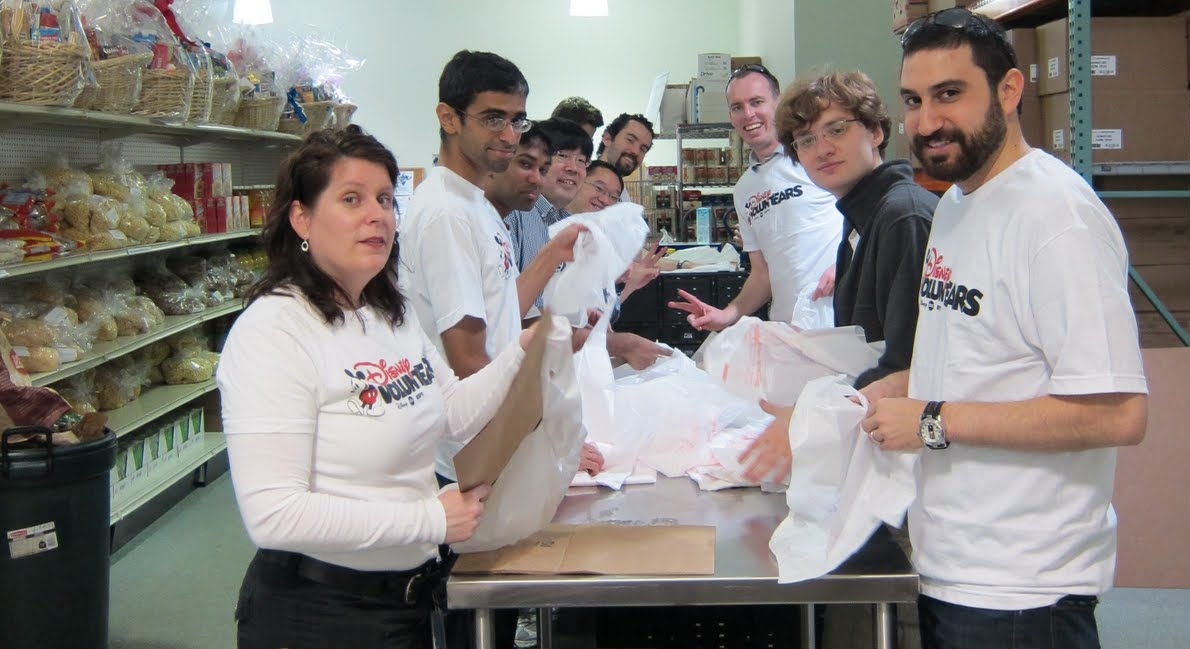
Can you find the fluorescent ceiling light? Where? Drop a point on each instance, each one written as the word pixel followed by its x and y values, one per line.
pixel 252 12
pixel 586 7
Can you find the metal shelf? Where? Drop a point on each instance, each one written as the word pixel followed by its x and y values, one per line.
pixel 714 131
pixel 104 352
pixel 22 115
pixel 154 403
pixel 1142 169
pixel 126 503
pixel 1008 11
pixel 65 261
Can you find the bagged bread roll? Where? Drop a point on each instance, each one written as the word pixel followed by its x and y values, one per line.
pixel 28 332
pixel 39 359
pixel 181 369
pixel 154 212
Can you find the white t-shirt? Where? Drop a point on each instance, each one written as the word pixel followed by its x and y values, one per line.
pixel 1024 294
pixel 792 222
pixel 331 431
pixel 456 260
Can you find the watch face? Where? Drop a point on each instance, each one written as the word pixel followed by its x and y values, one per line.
pixel 931 431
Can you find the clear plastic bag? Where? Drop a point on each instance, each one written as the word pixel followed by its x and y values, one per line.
pixel 169 292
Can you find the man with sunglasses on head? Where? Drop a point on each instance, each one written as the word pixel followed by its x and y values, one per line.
pixel 625 143
pixel 457 267
pixel 1026 373
pixel 789 226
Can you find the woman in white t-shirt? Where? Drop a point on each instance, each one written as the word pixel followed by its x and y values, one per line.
pixel 333 401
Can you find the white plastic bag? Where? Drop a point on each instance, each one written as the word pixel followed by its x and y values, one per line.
pixel 809 313
pixel 526 496
pixel 614 238
pixel 841 486
pixel 754 359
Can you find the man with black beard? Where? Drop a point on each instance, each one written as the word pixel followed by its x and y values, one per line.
pixel 625 143
pixel 1026 371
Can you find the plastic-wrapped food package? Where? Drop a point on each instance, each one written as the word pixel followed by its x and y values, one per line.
pixel 144 312
pixel 118 382
pixel 169 292
pixel 226 274
pixel 189 367
pixel 79 392
pixel 152 355
pixel 63 179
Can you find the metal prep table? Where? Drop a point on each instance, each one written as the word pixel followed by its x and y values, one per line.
pixel 745 571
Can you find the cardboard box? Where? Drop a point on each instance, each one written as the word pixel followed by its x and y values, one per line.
pixel 197 423
pixel 714 66
pixel 706 102
pixel 673 108
pixel 1126 54
pixel 1129 126
pixel 738 62
pixel 1031 122
pixel 1024 43
pixel 907 11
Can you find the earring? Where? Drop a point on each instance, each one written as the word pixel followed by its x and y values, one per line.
pixel 305 245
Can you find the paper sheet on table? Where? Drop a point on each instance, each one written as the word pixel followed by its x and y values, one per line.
pixel 602 550
pixel 615 479
pixel 841 486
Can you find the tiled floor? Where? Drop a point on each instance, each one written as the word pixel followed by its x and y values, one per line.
pixel 174 586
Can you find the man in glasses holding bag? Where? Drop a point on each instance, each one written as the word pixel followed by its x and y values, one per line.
pixel 1026 372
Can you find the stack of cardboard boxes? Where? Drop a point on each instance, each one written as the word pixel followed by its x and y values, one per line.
pixel 1139 98
pixel 156 450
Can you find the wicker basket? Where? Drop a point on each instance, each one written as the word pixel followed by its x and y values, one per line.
pixel 343 113
pixel 225 100
pixel 118 84
pixel 200 99
pixel 165 93
pixel 44 74
pixel 259 113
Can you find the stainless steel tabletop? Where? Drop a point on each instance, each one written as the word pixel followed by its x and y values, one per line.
pixel 745 571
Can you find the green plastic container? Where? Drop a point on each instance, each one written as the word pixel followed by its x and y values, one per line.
pixel 55 517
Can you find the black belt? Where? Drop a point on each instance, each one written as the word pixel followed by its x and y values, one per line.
pixel 411 587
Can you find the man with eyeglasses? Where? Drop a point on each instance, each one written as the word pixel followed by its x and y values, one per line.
pixel 789 226
pixel 457 267
pixel 837 128
pixel 601 188
pixel 529 229
pixel 1026 373
pixel 625 143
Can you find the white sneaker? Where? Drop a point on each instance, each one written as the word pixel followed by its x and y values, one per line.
pixel 526 630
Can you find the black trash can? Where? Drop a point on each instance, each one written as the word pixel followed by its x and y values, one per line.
pixel 55 515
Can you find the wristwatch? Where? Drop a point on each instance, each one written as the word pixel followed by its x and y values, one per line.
pixel 931 432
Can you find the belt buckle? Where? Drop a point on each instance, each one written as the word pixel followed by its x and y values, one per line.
pixel 413 586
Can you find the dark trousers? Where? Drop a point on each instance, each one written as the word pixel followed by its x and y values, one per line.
pixel 1067 624
pixel 280 609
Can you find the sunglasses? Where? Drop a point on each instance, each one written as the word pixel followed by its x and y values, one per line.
pixel 954 18
pixel 751 67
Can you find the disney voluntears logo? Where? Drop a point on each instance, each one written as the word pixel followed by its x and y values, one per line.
pixel 377 384
pixel 505 255
pixel 760 203
pixel 938 291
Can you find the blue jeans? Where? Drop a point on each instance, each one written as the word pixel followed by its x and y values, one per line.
pixel 1067 624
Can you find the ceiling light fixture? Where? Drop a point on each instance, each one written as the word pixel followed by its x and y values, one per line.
pixel 588 8
pixel 252 12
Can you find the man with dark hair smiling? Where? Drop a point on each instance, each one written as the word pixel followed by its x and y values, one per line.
pixel 456 260
pixel 519 186
pixel 1026 373
pixel 624 144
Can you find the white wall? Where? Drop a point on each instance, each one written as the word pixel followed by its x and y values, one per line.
pixel 610 61
pixel 766 30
